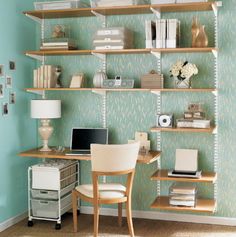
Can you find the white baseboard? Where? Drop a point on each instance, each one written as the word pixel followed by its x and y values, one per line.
pixel 166 216
pixel 12 221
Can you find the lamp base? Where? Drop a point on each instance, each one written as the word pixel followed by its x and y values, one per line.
pixel 45 132
pixel 45 149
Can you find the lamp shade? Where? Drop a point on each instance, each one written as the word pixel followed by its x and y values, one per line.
pixel 45 109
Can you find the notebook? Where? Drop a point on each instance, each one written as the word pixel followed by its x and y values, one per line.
pixel 82 138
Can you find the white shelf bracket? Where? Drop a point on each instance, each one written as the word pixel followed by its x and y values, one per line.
pixel 215 6
pixel 156 54
pixel 215 53
pixel 38 57
pixel 100 56
pixel 39 92
pixel 34 18
pixel 215 131
pixel 215 93
pixel 156 12
pixel 156 92
pixel 101 17
pixel 99 92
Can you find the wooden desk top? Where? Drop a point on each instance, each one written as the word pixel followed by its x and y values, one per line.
pixel 35 153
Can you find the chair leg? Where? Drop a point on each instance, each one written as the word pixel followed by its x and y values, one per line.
pixel 75 210
pixel 96 219
pixel 129 217
pixel 120 214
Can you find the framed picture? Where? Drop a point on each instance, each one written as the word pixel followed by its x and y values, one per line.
pixel 8 82
pixel 1 91
pixel 1 70
pixel 12 97
pixel 5 110
pixel 12 65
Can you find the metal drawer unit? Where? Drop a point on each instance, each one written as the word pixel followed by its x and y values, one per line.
pixel 49 190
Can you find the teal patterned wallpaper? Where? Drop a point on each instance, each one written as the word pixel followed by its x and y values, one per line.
pixel 130 112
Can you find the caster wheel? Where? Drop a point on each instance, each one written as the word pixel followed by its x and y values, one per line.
pixel 30 223
pixel 58 226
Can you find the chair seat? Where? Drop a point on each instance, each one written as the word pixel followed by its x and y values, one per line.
pixel 106 191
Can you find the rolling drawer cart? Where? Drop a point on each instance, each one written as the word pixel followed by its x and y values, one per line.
pixel 49 190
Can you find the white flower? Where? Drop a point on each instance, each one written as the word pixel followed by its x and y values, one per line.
pixel 189 70
pixel 176 68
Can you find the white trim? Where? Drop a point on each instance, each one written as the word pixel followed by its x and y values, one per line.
pixel 214 220
pixel 12 221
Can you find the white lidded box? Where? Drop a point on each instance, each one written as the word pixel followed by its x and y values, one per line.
pixel 116 3
pixel 53 175
pixel 57 5
pixel 162 1
pixel 49 208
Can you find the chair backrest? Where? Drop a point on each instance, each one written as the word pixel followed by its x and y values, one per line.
pixel 114 158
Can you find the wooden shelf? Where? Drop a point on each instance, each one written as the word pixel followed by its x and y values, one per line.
pixel 207 177
pixel 35 153
pixel 197 130
pixel 203 205
pixel 184 90
pixel 117 51
pixel 122 10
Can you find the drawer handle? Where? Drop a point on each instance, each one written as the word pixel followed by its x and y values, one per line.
pixel 43 192
pixel 43 202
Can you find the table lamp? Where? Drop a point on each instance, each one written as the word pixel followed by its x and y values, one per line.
pixel 45 110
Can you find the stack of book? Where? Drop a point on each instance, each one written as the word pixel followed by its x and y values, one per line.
pixel 58 44
pixel 45 77
pixel 113 38
pixel 182 195
pixel 163 33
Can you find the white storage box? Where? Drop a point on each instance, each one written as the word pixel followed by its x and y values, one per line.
pixel 54 175
pixel 113 33
pixel 49 209
pixel 188 1
pixel 115 3
pixel 56 5
pixel 162 1
pixel 51 195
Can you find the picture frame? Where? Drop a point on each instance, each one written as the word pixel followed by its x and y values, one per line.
pixel 5 109
pixel 1 70
pixel 12 97
pixel 1 90
pixel 8 82
pixel 12 65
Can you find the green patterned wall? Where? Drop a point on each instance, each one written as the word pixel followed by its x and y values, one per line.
pixel 130 112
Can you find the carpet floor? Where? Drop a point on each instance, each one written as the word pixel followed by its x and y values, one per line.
pixel 108 227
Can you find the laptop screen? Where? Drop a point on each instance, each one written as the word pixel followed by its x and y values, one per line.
pixel 83 137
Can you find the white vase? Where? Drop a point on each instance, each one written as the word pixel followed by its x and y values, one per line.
pixel 98 79
pixel 182 84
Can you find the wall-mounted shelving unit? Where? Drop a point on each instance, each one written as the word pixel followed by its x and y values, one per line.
pixel 161 202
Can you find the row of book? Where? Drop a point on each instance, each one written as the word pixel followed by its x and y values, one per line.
pixel 163 33
pixel 181 194
pixel 58 43
pixel 45 77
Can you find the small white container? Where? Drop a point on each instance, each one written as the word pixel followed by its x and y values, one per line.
pixel 49 209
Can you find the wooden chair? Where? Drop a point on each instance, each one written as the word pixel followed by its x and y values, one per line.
pixel 109 160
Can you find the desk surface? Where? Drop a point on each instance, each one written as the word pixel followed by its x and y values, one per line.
pixel 35 153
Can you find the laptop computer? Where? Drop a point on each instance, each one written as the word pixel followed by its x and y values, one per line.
pixel 82 138
pixel 186 164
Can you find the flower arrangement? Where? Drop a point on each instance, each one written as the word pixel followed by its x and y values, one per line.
pixel 183 70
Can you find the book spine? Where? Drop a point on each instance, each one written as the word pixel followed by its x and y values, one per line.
pixel 35 79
